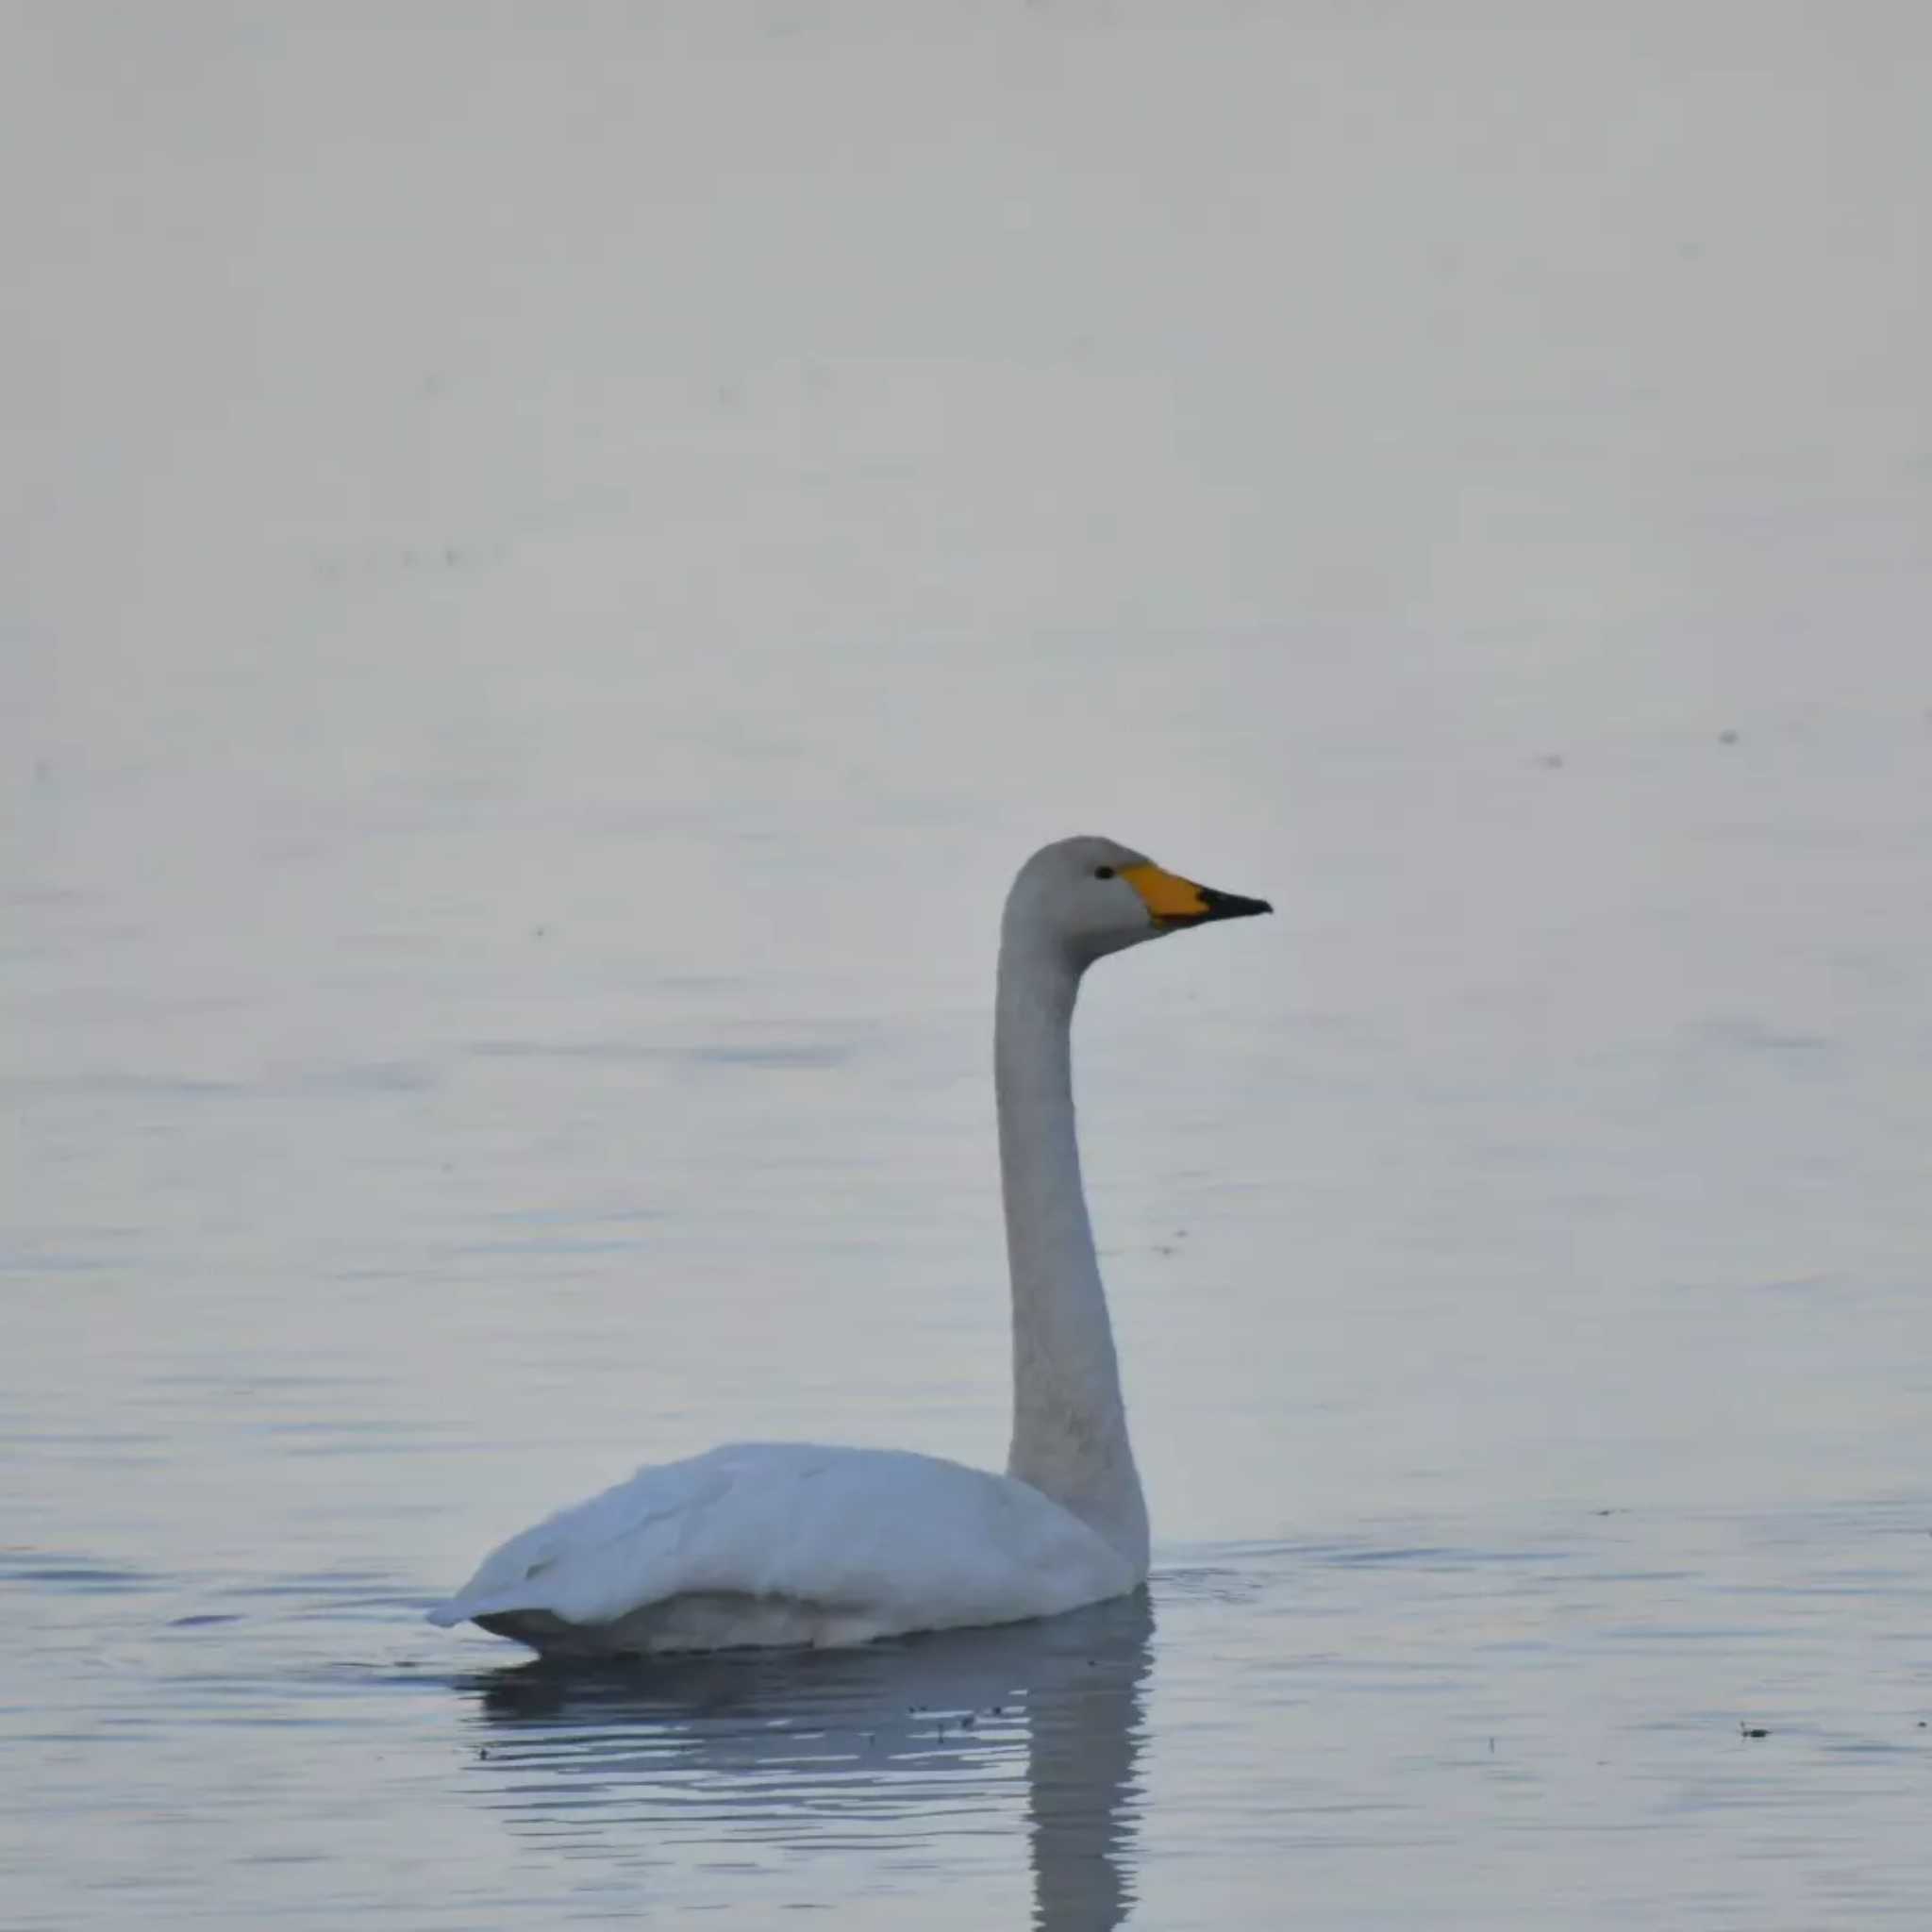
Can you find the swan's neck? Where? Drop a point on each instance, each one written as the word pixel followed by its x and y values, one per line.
pixel 1070 1427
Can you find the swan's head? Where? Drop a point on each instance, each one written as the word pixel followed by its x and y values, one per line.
pixel 1088 897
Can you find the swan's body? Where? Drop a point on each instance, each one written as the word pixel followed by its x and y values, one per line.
pixel 787 1542
pixel 792 1544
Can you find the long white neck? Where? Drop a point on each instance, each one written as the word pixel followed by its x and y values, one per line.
pixel 1070 1426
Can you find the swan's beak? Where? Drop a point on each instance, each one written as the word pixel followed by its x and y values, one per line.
pixel 1175 902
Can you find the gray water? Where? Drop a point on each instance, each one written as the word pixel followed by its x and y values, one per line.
pixel 564 564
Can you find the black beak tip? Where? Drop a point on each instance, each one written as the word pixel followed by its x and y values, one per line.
pixel 1233 905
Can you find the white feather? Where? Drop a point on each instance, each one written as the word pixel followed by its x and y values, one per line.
pixel 821 1544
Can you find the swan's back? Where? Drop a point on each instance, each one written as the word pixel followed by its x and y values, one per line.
pixel 787 1543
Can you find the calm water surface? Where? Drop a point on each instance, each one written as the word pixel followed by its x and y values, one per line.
pixel 1528 1432
pixel 564 594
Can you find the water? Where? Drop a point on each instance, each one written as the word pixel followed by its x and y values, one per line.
pixel 559 588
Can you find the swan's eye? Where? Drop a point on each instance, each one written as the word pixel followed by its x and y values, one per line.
pixel 1102 872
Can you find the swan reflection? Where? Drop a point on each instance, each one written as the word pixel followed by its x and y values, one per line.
pixel 917 1744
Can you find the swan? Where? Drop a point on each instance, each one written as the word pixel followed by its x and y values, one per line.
pixel 790 1543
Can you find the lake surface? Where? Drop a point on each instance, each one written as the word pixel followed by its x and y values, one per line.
pixel 567 565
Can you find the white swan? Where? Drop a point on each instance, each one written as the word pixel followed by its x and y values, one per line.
pixel 791 1543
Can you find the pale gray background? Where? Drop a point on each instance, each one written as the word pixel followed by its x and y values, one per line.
pixel 559 557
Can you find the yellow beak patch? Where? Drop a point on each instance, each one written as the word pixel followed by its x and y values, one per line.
pixel 1165 895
